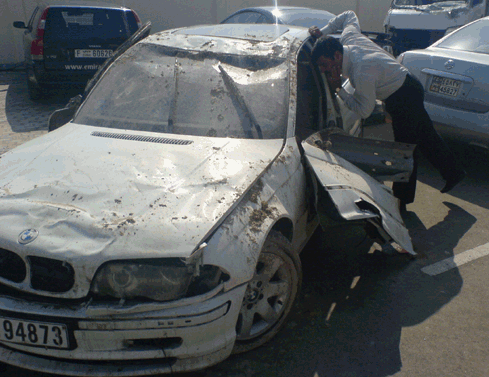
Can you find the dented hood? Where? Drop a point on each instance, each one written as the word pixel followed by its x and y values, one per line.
pixel 95 194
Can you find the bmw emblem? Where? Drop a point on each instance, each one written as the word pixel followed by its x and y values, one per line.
pixel 449 64
pixel 27 236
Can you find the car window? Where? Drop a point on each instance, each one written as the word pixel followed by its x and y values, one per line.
pixel 167 90
pixel 89 23
pixel 473 38
pixel 307 19
pixel 245 18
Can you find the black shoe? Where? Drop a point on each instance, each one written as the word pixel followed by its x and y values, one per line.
pixel 453 180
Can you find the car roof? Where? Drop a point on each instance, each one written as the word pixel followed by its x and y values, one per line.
pixel 240 39
pixel 289 15
pixel 80 3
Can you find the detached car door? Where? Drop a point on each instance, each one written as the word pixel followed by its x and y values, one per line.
pixel 348 171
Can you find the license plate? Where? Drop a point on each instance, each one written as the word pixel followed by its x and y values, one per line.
pixel 443 85
pixel 33 333
pixel 93 53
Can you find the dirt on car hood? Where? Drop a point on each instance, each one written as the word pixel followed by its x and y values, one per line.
pixel 105 194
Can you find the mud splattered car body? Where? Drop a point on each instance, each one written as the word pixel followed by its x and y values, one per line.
pixel 160 229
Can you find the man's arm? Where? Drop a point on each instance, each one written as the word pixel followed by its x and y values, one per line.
pixel 340 22
pixel 362 101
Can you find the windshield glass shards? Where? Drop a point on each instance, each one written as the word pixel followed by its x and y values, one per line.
pixel 167 90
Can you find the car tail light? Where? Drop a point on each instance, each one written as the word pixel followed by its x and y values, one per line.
pixel 138 20
pixel 37 45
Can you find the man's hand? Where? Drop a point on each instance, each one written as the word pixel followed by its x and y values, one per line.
pixel 315 32
pixel 334 78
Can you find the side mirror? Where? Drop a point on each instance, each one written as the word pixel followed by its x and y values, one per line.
pixel 19 25
pixel 62 116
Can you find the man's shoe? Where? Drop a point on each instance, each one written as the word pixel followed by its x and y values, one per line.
pixel 453 180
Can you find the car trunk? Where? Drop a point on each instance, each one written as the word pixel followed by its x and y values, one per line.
pixel 79 39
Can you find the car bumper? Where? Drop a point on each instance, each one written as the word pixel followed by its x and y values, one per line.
pixel 37 74
pixel 174 339
pixel 466 126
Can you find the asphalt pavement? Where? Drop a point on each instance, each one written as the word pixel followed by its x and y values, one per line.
pixel 359 314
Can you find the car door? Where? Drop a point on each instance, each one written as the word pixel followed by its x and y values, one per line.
pixel 348 170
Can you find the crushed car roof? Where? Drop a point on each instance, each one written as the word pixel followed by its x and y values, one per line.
pixel 242 39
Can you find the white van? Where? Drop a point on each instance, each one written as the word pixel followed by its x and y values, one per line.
pixel 414 24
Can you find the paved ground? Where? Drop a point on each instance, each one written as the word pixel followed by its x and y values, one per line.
pixel 20 118
pixel 360 315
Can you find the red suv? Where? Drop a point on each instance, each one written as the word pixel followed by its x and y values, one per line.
pixel 65 44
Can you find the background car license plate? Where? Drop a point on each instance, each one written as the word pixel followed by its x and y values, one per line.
pixel 53 335
pixel 93 53
pixel 443 85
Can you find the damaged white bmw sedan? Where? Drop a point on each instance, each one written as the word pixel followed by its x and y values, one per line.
pixel 160 229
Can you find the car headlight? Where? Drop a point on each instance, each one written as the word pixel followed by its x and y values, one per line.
pixel 159 280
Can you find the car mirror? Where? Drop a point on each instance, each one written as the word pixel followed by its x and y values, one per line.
pixel 19 25
pixel 62 116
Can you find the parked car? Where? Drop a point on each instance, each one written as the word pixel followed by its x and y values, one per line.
pixel 455 75
pixel 296 16
pixel 160 229
pixel 416 24
pixel 65 44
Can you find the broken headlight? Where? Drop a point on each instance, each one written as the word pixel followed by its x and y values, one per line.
pixel 159 280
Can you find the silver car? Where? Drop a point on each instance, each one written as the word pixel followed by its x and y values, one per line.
pixel 160 229
pixel 455 74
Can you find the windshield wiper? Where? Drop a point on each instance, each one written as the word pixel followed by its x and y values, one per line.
pixel 228 80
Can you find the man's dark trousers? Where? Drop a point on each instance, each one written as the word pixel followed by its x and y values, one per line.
pixel 412 124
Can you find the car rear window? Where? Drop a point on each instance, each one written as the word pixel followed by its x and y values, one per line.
pixel 473 38
pixel 89 23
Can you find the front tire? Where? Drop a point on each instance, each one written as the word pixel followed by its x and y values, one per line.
pixel 270 294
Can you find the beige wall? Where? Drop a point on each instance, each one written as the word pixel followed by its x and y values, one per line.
pixel 167 14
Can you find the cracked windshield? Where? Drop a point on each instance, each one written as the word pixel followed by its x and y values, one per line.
pixel 167 90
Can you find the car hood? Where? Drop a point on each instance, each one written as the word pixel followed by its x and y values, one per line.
pixel 105 194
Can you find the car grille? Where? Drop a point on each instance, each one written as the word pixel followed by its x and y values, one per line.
pixel 148 139
pixel 46 274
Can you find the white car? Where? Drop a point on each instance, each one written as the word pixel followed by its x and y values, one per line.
pixel 455 75
pixel 160 229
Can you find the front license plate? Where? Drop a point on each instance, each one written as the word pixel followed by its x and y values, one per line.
pixel 93 53
pixel 52 335
pixel 443 85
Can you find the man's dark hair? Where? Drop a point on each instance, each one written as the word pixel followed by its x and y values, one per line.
pixel 326 46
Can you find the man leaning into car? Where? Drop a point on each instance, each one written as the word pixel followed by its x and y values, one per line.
pixel 375 74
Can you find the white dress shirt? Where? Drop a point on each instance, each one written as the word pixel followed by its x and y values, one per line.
pixel 373 72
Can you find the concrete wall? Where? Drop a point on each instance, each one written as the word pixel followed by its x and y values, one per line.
pixel 167 14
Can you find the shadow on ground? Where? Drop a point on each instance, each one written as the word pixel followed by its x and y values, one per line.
pixel 23 114
pixel 353 306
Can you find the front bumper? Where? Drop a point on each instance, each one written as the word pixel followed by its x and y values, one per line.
pixel 161 340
